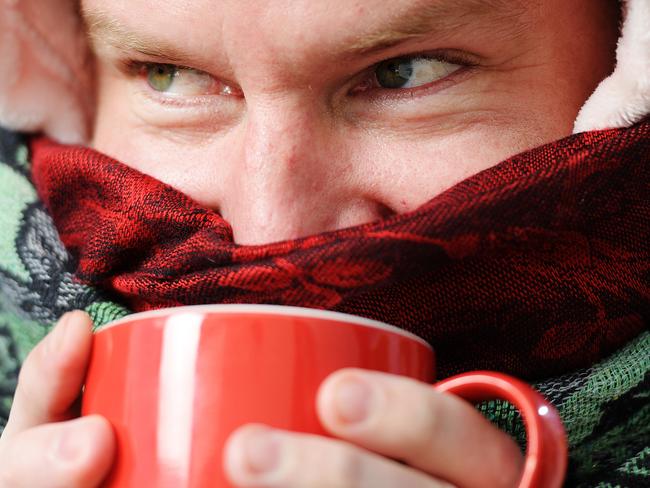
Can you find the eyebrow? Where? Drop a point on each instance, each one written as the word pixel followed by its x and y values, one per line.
pixel 440 17
pixel 103 29
pixel 425 18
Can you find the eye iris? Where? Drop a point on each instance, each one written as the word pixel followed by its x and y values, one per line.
pixel 394 73
pixel 161 76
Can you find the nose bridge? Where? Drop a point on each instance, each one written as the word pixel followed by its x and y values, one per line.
pixel 276 174
pixel 276 137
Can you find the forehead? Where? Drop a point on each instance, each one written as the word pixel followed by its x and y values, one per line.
pixel 204 12
pixel 285 25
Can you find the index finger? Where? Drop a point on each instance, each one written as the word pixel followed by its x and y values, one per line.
pixel 51 377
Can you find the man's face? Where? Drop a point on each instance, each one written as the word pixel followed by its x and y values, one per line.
pixel 303 116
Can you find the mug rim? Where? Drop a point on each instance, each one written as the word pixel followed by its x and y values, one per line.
pixel 255 309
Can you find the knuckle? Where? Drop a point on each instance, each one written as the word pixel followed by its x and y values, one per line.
pixel 423 426
pixel 316 462
pixel 31 459
pixel 28 365
pixel 347 466
pixel 34 364
pixel 39 364
pixel 26 391
pixel 432 414
pixel 509 464
pixel 24 383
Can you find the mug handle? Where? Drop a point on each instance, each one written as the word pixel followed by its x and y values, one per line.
pixel 546 454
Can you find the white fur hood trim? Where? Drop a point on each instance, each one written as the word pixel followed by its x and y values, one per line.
pixel 623 98
pixel 46 82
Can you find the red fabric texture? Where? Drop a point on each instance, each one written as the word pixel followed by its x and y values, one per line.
pixel 534 267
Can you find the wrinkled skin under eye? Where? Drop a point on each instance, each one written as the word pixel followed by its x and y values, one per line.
pixel 411 72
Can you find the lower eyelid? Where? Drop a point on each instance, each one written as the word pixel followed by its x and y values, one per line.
pixel 167 98
pixel 189 104
pixel 166 112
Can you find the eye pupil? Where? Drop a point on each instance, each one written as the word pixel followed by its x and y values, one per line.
pixel 161 76
pixel 394 73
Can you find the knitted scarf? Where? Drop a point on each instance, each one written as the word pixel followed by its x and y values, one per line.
pixel 534 267
pixel 539 267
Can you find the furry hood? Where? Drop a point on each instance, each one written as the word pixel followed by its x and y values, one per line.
pixel 47 80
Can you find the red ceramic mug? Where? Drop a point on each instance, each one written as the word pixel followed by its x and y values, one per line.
pixel 176 383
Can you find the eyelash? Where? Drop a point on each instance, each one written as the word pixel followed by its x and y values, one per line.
pixel 133 68
pixel 136 68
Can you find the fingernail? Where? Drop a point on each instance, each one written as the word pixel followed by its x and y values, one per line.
pixel 73 442
pixel 352 400
pixel 261 451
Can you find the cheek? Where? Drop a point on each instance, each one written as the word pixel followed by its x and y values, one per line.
pixel 193 169
pixel 115 131
pixel 407 173
pixel 175 157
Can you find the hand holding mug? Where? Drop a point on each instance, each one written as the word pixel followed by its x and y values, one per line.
pixel 44 443
pixel 377 418
pixel 44 446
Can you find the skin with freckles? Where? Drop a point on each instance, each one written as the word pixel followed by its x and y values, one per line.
pixel 295 117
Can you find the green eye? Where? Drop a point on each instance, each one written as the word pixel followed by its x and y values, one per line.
pixel 161 76
pixel 394 73
pixel 412 72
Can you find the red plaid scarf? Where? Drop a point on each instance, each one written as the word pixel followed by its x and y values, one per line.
pixel 536 266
